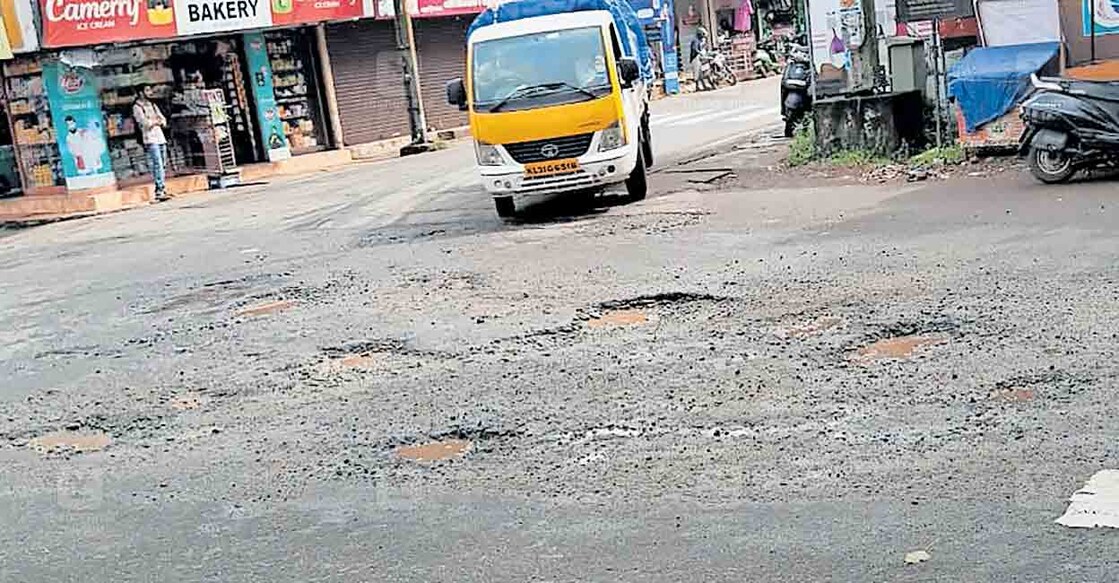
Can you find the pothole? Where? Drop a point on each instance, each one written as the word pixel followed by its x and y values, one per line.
pixel 66 441
pixel 817 326
pixel 898 347
pixel 365 348
pixel 619 318
pixel 365 360
pixel 434 451
pixel 1012 395
pixel 186 403
pixel 657 300
pixel 266 308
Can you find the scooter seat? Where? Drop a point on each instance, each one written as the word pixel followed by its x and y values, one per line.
pixel 1103 90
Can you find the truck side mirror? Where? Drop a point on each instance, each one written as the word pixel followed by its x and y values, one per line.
pixel 628 70
pixel 456 93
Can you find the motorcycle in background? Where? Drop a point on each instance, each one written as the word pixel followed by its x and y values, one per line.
pixel 1071 125
pixel 765 62
pixel 715 70
pixel 796 88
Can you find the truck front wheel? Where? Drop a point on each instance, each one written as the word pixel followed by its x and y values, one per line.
pixel 637 185
pixel 505 207
pixel 647 143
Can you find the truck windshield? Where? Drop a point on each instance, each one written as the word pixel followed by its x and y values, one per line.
pixel 541 69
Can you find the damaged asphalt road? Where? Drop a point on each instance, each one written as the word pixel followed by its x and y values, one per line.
pixel 769 384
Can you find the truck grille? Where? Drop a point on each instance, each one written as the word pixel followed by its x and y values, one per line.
pixel 550 149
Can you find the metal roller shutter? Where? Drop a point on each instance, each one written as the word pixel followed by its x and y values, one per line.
pixel 368 81
pixel 441 49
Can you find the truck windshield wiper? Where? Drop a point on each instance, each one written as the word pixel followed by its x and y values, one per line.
pixel 529 90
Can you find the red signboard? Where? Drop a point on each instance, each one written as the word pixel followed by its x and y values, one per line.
pixel 70 23
pixel 310 11
pixel 88 22
pixel 425 8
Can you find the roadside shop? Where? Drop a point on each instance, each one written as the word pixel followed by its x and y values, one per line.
pixel 239 82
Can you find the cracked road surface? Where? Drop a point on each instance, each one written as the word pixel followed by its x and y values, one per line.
pixel 308 383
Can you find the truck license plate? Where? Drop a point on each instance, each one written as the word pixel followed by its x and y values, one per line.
pixel 551 168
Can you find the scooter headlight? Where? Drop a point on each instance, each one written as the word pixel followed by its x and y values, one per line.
pixel 488 154
pixel 611 138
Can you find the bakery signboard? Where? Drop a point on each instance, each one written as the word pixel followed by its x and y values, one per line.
pixel 68 23
pixel 204 16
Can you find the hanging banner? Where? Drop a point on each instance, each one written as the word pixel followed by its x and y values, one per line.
pixel 264 94
pixel 1107 16
pixel 19 25
pixel 77 118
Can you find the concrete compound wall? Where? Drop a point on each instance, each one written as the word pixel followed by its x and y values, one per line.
pixel 877 124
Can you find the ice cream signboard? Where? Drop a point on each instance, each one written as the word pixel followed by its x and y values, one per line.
pixel 90 22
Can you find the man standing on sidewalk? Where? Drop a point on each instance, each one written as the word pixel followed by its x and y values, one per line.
pixel 151 122
pixel 696 50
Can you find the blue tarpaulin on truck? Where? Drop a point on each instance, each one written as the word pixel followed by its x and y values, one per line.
pixel 990 81
pixel 629 27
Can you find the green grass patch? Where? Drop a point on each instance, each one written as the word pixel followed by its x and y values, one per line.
pixel 943 156
pixel 847 158
pixel 802 149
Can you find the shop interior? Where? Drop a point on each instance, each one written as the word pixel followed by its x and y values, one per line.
pixel 40 163
pixel 294 75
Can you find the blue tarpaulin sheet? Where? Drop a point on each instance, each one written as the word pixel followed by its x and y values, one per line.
pixel 629 27
pixel 990 81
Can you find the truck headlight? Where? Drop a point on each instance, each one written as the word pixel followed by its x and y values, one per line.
pixel 611 138
pixel 488 154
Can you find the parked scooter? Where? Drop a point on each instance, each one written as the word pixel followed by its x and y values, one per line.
pixel 716 70
pixel 1070 126
pixel 796 88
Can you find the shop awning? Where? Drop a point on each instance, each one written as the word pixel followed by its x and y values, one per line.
pixel 990 81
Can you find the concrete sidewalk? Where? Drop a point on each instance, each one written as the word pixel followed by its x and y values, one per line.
pixel 38 209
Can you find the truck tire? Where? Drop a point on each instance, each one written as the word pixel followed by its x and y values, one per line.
pixel 647 143
pixel 505 207
pixel 637 185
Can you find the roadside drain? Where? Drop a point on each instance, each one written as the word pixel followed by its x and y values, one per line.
pixel 898 347
pixel 75 441
pixel 434 451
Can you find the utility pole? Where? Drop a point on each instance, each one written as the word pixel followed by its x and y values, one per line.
pixel 406 47
pixel 864 54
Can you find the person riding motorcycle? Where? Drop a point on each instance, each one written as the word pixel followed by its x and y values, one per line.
pixel 698 48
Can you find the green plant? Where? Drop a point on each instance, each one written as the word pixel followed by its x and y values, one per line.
pixel 856 158
pixel 946 155
pixel 802 148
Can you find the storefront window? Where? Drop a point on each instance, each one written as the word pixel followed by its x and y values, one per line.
pixel 33 132
pixel 121 72
pixel 296 87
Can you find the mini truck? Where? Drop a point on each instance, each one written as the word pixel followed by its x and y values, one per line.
pixel 558 100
